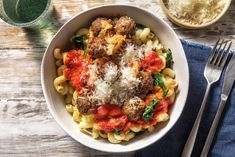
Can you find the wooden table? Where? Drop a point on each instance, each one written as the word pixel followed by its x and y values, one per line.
pixel 26 126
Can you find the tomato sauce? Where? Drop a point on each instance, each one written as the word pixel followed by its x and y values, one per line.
pixel 110 117
pixel 77 68
pixel 152 63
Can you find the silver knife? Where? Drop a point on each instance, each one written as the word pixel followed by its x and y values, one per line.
pixel 229 78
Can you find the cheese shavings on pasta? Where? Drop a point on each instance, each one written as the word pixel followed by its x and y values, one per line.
pixel 106 91
pixel 103 90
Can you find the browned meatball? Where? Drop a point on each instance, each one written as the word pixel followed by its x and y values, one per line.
pixel 97 47
pixel 96 25
pixel 145 85
pixel 133 108
pixel 125 26
pixel 85 106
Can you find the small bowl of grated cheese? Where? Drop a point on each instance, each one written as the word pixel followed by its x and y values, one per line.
pixel 194 14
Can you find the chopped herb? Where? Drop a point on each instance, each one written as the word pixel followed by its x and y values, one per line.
pixel 116 132
pixel 148 112
pixel 169 58
pixel 140 26
pixel 157 81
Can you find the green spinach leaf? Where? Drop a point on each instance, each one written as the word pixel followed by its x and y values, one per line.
pixel 140 26
pixel 169 58
pixel 79 43
pixel 157 81
pixel 148 112
pixel 116 132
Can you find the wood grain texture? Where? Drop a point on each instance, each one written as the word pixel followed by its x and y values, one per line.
pixel 26 126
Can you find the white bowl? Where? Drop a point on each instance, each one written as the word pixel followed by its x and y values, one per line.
pixel 55 102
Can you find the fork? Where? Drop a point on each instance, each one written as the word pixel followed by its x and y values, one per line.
pixel 212 73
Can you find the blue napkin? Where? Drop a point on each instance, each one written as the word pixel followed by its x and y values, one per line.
pixel 171 145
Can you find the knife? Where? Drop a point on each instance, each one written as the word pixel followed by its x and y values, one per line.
pixel 229 78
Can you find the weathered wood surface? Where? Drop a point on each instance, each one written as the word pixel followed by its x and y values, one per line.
pixel 26 126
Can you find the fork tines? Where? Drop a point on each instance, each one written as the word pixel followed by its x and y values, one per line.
pixel 220 52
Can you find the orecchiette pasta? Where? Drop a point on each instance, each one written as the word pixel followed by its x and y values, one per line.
pixel 57 53
pixel 170 92
pixel 64 57
pixel 103 134
pixel 95 133
pixel 59 62
pixel 144 34
pixel 151 128
pixel 112 139
pixel 82 31
pixel 172 97
pixel 129 136
pixel 163 62
pixel 168 72
pixel 76 115
pixel 69 108
pixel 136 128
pixel 60 70
pixel 60 85
pixel 119 137
pixel 163 117
pixel 68 98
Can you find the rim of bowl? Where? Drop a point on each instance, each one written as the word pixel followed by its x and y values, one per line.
pixel 68 130
pixel 191 26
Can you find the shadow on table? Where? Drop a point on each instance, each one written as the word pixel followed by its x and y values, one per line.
pixel 40 38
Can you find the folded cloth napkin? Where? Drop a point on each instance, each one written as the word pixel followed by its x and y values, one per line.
pixel 171 145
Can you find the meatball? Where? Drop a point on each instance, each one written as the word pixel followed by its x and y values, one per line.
pixel 85 106
pixel 96 25
pixel 145 85
pixel 125 26
pixel 97 47
pixel 133 108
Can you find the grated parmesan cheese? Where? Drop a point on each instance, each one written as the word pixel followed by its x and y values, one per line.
pixel 93 71
pixel 196 11
pixel 111 72
pixel 128 79
pixel 103 91
pixel 128 55
pixel 114 89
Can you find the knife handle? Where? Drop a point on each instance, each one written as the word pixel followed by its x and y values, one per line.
pixel 188 148
pixel 213 128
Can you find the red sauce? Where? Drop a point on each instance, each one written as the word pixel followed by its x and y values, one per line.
pixel 110 117
pixel 152 63
pixel 77 68
pixel 162 107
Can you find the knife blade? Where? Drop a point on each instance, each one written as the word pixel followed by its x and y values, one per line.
pixel 229 78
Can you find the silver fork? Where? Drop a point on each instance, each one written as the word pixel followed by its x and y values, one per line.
pixel 212 73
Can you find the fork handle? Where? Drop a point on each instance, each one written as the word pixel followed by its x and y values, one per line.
pixel 213 128
pixel 188 148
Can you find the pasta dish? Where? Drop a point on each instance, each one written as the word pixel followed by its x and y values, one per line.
pixel 117 79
